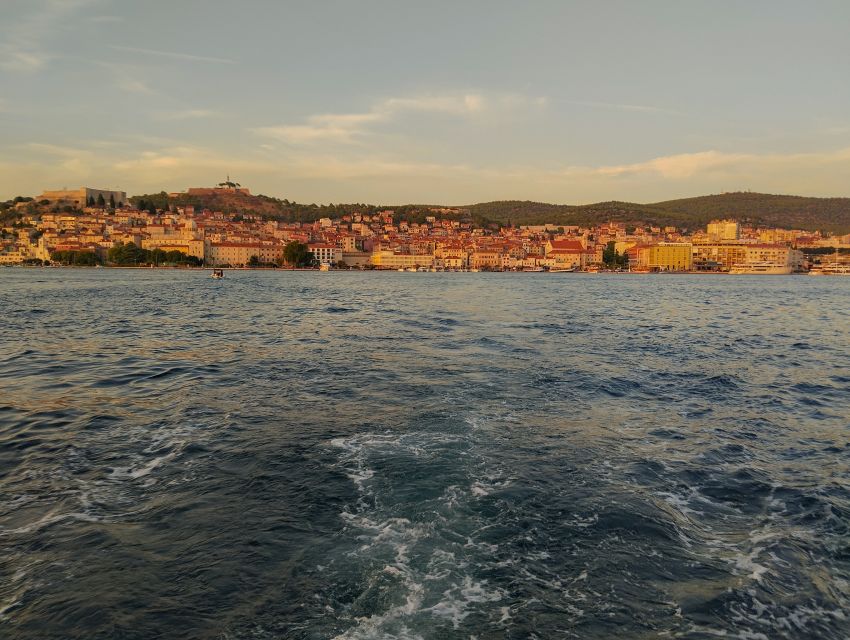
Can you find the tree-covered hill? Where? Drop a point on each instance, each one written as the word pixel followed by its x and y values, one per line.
pixel 790 212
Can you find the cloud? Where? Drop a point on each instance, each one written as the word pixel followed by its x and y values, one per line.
pixel 347 128
pixel 334 168
pixel 133 85
pixel 22 41
pixel 465 104
pixel 679 166
pixel 174 55
pixel 187 114
pixel 685 166
pixel 51 149
pixel 142 164
pixel 639 108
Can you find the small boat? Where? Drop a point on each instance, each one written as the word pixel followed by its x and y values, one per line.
pixel 831 270
pixel 218 274
pixel 534 269
pixel 324 267
pixel 561 269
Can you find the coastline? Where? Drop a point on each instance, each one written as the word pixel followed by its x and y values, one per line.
pixel 318 270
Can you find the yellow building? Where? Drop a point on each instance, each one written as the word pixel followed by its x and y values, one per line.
pixel 484 259
pixel 387 259
pixel 188 245
pixel 240 253
pixel 725 255
pixel 667 256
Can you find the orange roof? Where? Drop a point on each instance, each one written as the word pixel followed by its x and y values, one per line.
pixel 570 246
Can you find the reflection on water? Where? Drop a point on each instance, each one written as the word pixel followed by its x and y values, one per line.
pixel 307 455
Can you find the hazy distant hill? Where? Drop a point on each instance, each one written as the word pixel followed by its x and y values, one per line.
pixel 791 212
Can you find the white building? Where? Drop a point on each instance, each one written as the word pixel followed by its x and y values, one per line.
pixel 723 230
pixel 325 253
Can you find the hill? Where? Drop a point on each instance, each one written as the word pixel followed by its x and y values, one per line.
pixel 790 212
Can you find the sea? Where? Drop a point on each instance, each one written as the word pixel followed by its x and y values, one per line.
pixel 363 455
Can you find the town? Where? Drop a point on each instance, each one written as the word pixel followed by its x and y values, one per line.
pixel 91 227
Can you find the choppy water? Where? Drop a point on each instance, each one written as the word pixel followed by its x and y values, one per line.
pixel 335 455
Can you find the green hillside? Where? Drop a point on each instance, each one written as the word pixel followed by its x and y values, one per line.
pixel 790 212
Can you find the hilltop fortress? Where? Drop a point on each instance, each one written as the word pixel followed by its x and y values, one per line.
pixel 228 187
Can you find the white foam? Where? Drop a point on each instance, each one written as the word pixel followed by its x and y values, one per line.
pixel 747 563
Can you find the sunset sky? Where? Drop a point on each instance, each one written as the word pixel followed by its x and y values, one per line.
pixel 429 102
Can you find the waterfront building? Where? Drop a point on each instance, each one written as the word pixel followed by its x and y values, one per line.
pixel 240 253
pixel 356 258
pixel 388 259
pixel 724 255
pixel 666 256
pixel 325 253
pixel 567 254
pixel 484 259
pixel 782 257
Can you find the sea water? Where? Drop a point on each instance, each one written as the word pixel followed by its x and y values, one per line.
pixel 431 455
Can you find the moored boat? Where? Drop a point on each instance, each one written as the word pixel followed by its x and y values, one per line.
pixel 760 268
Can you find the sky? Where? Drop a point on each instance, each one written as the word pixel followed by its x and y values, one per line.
pixel 438 102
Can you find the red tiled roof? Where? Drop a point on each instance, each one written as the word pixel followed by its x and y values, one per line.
pixel 571 246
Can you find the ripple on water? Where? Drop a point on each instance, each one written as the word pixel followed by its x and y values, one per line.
pixel 449 456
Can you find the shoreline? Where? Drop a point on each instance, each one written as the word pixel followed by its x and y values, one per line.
pixel 317 270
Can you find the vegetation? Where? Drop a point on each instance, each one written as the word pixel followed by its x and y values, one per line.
pixel 146 201
pixel 825 251
pixel 76 258
pixel 129 255
pixel 791 212
pixel 296 254
pixel 612 259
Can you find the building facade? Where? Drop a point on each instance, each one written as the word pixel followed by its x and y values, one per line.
pixel 84 196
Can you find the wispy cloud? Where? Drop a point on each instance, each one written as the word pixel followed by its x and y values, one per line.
pixel 133 85
pixel 53 149
pixel 702 165
pixel 105 19
pixel 678 166
pixel 175 55
pixel 22 41
pixel 186 114
pixel 638 108
pixel 347 128
pixel 125 77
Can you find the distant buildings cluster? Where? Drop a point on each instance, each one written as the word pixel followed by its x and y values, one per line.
pixel 384 240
